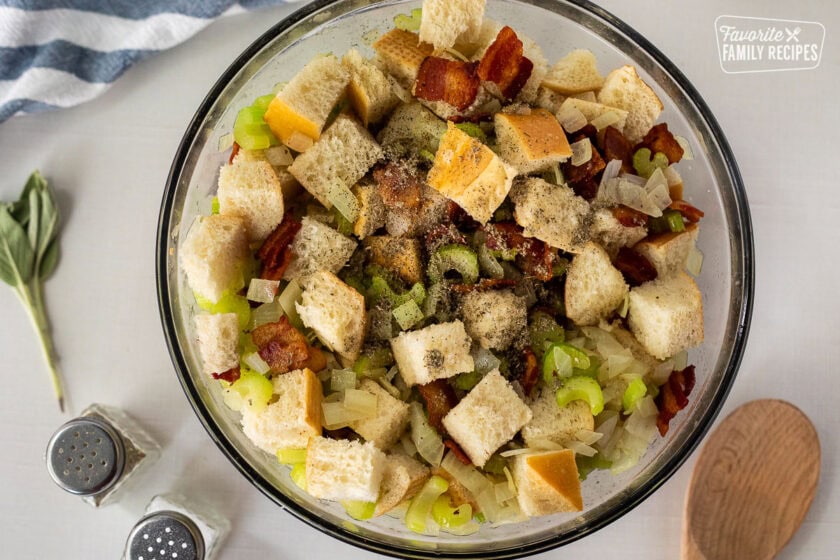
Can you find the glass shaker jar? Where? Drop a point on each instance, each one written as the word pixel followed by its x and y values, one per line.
pixel 175 527
pixel 95 455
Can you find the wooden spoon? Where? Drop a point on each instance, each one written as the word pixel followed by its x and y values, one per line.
pixel 752 485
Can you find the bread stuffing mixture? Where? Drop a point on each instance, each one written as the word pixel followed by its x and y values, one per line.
pixel 446 281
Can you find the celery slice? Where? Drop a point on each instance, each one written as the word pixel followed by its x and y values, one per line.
pixel 562 359
pixel 581 388
pixel 633 394
pixel 342 379
pixel 448 517
pixel 298 475
pixel 421 505
pixel 409 22
pixel 645 165
pixel 408 315
pixel 459 258
pixel 291 456
pixel 228 303
pixel 254 389
pixel 359 510
pixel 214 205
pixel 473 130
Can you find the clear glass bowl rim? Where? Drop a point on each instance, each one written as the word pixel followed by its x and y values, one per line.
pixel 744 259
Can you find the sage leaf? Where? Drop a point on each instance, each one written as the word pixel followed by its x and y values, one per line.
pixel 16 255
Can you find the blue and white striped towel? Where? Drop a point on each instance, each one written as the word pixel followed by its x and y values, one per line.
pixel 59 53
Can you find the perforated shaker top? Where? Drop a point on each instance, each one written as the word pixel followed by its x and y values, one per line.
pixel 165 535
pixel 85 456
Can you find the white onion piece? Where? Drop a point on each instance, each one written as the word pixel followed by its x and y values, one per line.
pixel 336 415
pixel 672 176
pixel 588 436
pixel 456 54
pixel 262 291
pixel 636 197
pixel 662 372
pixel 680 360
pixel 256 363
pixel 344 201
pixel 646 406
pixel 558 175
pixel 683 142
pixel 408 445
pixel 503 492
pixel 606 426
pixel 571 118
pixel 643 427
pixel 225 141
pixel 279 156
pixel 694 261
pixel 484 360
pixel 266 313
pixel 610 172
pixel 360 401
pixel 393 391
pixel 635 179
pixel 607 119
pixel 515 452
pixel 581 449
pixel 468 528
pixel 342 379
pixel 581 152
pixel 657 189
pixel 586 96
pixel 428 442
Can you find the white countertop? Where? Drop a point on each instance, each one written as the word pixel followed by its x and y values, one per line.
pixel 109 159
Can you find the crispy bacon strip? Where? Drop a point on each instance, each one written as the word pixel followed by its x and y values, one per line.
pixel 456 449
pixel 233 151
pixel 629 217
pixel 440 399
pixel 458 216
pixel 398 185
pixel 582 178
pixel 533 257
pixel 230 375
pixel 635 267
pixel 616 146
pixel 660 139
pixel 484 284
pixel 504 65
pixel 275 253
pixel 530 373
pixel 451 81
pixel 284 348
pixel 673 397
pixel 688 211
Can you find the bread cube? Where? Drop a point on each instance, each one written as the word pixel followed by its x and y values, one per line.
pixel 213 253
pixel 336 312
pixel 251 190
pixel 338 469
pixel 446 21
pixel 402 255
pixel 470 173
pixel 218 337
pixel 552 213
pixel 298 113
pixel 666 315
pixel 592 110
pixel 434 352
pixel 403 478
pixel 402 53
pixel 414 222
pixel 553 423
pixel 369 89
pixel 549 99
pixel 391 418
pixel 532 142
pixel 316 247
pixel 574 73
pixel 547 483
pixel 668 252
pixel 494 318
pixel 292 419
pixel 371 210
pixel 341 157
pixel 611 234
pixel 624 89
pixel 487 418
pixel 411 128
pixel 594 287
pixel 532 51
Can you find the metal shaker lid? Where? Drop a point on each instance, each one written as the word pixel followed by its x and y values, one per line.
pixel 164 535
pixel 85 456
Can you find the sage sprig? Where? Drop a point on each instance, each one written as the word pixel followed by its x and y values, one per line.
pixel 29 255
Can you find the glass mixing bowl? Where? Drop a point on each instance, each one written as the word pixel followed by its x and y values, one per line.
pixel 712 181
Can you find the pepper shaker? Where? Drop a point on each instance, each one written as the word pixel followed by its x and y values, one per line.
pixel 175 527
pixel 95 455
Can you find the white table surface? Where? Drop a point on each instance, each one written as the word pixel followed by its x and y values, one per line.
pixel 109 159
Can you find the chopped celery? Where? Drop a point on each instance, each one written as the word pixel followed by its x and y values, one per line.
pixel 645 165
pixel 380 289
pixel 675 221
pixel 459 258
pixel 375 360
pixel 228 303
pixel 342 379
pixel 250 130
pixel 291 456
pixel 408 315
pixel 343 225
pixel 542 330
pixel 409 22
pixel 360 401
pixel 262 102
pixel 427 155
pixel 488 263
pixel 359 510
pixel 214 205
pixel 562 359
pixel 634 392
pixel 467 380
pixel 495 464
pixel 421 505
pixel 559 267
pixel 473 130
pixel 448 517
pixel 581 388
pixel 298 475
pixel 255 390
pixel 586 465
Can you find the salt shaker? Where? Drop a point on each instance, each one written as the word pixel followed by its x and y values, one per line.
pixel 95 455
pixel 175 527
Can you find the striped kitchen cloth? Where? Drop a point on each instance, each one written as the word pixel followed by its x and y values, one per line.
pixel 59 53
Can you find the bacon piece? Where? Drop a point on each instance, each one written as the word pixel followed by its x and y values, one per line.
pixel 275 253
pixel 398 185
pixel 457 451
pixel 660 139
pixel 504 65
pixel 629 217
pixel 616 146
pixel 635 267
pixel 230 375
pixel 451 81
pixel 233 152
pixel 533 257
pixel 443 234
pixel 483 285
pixel 284 348
pixel 458 216
pixel 530 373
pixel 582 178
pixel 688 211
pixel 440 399
pixel 673 397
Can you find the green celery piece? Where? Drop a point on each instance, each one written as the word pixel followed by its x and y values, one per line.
pixel 459 258
pixel 578 360
pixel 228 303
pixel 449 517
pixel 409 22
pixel 581 388
pixel 421 504
pixel 408 314
pixel 495 464
pixel 427 155
pixel 675 221
pixel 291 456
pixel 255 389
pixel 298 475
pixel 586 465
pixel 645 165
pixel 544 329
pixel 467 380
pixel 262 102
pixel 214 205
pixel 359 510
pixel 343 225
pixel 635 391
pixel 473 130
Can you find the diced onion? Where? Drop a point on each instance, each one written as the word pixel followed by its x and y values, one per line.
pixel 581 448
pixel 588 436
pixel 625 306
pixel 408 314
pixel 606 427
pixel 558 175
pixel 262 291
pixel 607 119
pixel 360 401
pixel 288 297
pixel 344 201
pixel 646 406
pixel 342 379
pixel 509 476
pixel 694 261
pixel 279 156
pixel 467 528
pixel 408 445
pixel 455 53
pixel 225 141
pixel 503 492
pixel 515 452
pixel 610 172
pixel 586 96
pixel 388 386
pixel 581 152
pixel 571 118
pixel 657 190
pixel 683 142
pixel 336 415
pixel 484 360
pixel 681 360
pixel 428 442
pixel 672 176
pixel 266 313
pixel 256 363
